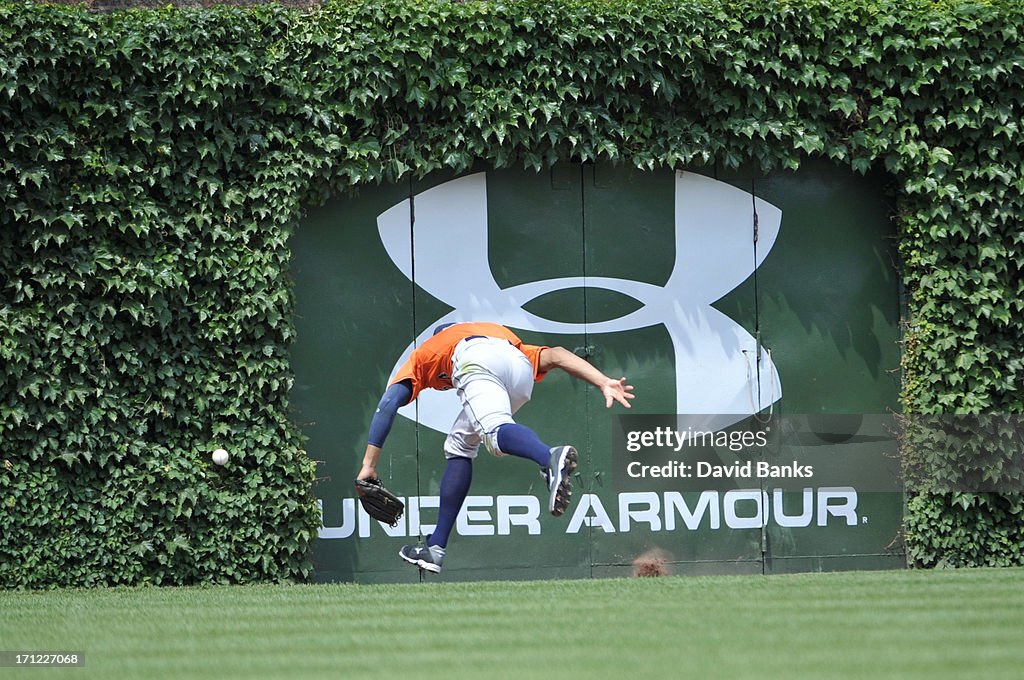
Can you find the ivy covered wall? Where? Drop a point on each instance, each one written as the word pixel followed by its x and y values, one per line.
pixel 153 163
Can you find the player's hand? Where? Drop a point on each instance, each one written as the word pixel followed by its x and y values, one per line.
pixel 367 472
pixel 617 390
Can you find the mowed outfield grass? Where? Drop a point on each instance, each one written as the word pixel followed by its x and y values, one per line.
pixel 912 624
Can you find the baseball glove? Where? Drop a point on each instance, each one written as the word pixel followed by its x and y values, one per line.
pixel 379 503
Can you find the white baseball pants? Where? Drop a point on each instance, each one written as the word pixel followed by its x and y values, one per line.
pixel 493 380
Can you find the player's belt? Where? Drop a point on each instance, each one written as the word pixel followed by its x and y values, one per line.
pixel 482 337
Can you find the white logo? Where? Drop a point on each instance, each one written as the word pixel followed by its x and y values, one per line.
pixel 720 369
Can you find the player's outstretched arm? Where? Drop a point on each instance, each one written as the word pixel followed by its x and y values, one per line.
pixel 396 396
pixel 614 390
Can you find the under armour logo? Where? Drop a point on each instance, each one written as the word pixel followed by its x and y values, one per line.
pixel 720 369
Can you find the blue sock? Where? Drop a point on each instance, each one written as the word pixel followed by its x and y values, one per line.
pixel 458 475
pixel 519 440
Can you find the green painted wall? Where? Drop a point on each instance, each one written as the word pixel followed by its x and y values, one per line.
pixel 824 303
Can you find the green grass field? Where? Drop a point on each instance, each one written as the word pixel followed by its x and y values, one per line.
pixel 912 624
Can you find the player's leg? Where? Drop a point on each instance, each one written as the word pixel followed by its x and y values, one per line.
pixel 455 483
pixel 556 463
pixel 519 440
pixel 460 449
pixel 494 380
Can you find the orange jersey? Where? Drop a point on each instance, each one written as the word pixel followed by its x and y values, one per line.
pixel 430 364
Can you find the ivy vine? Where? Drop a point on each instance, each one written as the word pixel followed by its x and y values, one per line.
pixel 154 162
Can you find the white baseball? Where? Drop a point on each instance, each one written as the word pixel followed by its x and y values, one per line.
pixel 220 456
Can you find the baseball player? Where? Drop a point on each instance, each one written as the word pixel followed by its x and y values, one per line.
pixel 493 372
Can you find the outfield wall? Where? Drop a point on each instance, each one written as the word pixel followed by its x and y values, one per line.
pixel 715 293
